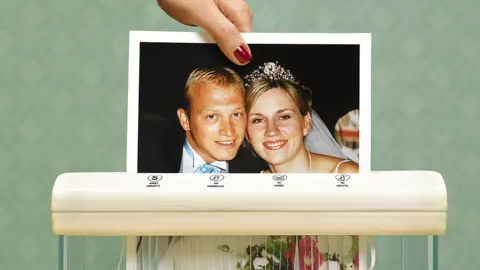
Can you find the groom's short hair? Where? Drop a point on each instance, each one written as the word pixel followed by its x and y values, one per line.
pixel 222 76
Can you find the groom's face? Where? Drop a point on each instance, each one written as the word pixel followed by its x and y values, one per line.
pixel 216 124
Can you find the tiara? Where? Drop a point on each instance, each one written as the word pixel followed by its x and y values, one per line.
pixel 270 70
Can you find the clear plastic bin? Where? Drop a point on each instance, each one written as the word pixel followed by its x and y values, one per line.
pixel 100 253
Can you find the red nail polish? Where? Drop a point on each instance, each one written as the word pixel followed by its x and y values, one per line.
pixel 242 54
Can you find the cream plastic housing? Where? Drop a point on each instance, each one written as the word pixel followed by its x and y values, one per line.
pixel 373 203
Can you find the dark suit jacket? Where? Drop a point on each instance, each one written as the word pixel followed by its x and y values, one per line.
pixel 160 147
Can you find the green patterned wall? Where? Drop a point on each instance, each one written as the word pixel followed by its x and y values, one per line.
pixel 63 86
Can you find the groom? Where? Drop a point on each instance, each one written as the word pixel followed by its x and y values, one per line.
pixel 207 134
pixel 214 121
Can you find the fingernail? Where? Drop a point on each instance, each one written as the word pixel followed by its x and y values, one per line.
pixel 242 54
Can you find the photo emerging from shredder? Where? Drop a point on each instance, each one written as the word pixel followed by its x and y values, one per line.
pixel 293 109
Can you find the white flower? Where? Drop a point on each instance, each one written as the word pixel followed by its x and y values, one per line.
pixel 330 265
pixel 260 263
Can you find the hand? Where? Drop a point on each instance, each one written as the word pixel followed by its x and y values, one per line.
pixel 222 19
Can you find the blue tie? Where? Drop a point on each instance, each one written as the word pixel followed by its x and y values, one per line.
pixel 208 168
pixel 205 168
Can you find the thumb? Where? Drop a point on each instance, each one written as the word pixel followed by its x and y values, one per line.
pixel 226 35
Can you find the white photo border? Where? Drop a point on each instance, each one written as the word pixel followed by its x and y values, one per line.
pixel 137 37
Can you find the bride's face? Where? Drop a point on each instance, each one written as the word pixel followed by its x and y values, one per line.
pixel 276 127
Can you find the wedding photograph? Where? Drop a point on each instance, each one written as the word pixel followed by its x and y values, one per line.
pixel 295 108
pixel 185 113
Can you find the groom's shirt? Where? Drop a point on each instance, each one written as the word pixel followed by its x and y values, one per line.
pixel 192 161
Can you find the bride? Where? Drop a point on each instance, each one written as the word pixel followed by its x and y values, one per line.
pixel 284 130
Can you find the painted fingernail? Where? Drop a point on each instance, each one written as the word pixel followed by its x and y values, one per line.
pixel 242 54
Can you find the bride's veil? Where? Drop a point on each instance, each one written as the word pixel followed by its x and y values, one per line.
pixel 320 140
